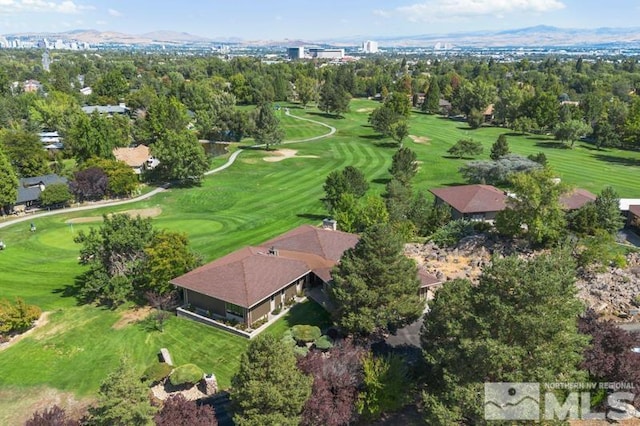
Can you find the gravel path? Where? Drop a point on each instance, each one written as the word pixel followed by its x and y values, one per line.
pixel 164 187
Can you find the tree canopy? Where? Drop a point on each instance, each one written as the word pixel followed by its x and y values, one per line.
pixel 269 388
pixel 519 324
pixel 375 285
pixel 268 130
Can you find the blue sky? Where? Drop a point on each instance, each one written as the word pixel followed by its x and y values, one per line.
pixel 306 19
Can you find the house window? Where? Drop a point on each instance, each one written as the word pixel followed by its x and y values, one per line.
pixel 234 309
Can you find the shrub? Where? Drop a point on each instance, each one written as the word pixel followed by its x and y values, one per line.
pixel 17 317
pixel 259 323
pixel 324 343
pixel 157 372
pixel 385 386
pixel 305 333
pixel 301 351
pixel 287 339
pixel 452 232
pixel 187 374
pixel 276 311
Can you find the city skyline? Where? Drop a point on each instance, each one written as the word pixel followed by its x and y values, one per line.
pixel 252 19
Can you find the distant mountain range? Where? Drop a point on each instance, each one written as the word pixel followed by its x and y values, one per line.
pixel 539 36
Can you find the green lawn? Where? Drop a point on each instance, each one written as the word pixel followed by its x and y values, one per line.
pixel 248 203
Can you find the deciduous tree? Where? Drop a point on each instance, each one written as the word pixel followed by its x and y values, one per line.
pixel 181 157
pixel 375 285
pixel 536 206
pixel 25 153
pixel 89 184
pixel 466 148
pixel 8 183
pixel 56 194
pixel 337 378
pixel 178 411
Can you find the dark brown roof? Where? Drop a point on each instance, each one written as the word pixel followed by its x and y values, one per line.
pixel 472 198
pixel 576 199
pixel 427 279
pixel 634 210
pixel 244 277
pixel 250 275
pixel 325 243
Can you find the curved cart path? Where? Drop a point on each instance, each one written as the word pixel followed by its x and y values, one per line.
pixel 230 161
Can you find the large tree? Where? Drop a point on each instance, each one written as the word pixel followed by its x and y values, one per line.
pixel 268 388
pixel 268 130
pixel 431 103
pixel 349 180
pixel 181 157
pixel 307 89
pixel 607 206
pixel 519 324
pixel 56 194
pixel 121 180
pixel 123 399
pixel 334 99
pixel 8 184
pixel 115 256
pixel 375 285
pixel 570 131
pixel 25 153
pixel 89 184
pixel 535 209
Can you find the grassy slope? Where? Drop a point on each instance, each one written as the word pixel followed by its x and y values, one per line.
pixel 246 204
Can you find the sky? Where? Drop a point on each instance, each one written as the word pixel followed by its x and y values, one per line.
pixel 310 20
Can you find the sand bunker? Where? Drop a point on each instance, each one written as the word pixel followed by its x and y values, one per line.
pixel 282 154
pixel 419 139
pixel 364 110
pixel 150 212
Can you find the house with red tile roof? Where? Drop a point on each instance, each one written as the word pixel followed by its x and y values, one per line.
pixel 475 202
pixel 250 283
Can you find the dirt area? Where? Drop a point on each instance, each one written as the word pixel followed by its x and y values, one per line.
pixel 282 154
pixel 420 139
pixel 150 212
pixel 40 322
pixel 131 316
pixel 18 405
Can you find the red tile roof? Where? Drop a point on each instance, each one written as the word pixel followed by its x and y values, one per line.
pixel 250 275
pixel 576 199
pixel 472 198
pixel 634 210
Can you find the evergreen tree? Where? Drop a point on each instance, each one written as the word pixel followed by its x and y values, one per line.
pixel 268 130
pixel 404 165
pixel 519 324
pixel 431 103
pixel 8 184
pixel 268 388
pixel 500 148
pixel 375 285
pixel 123 399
